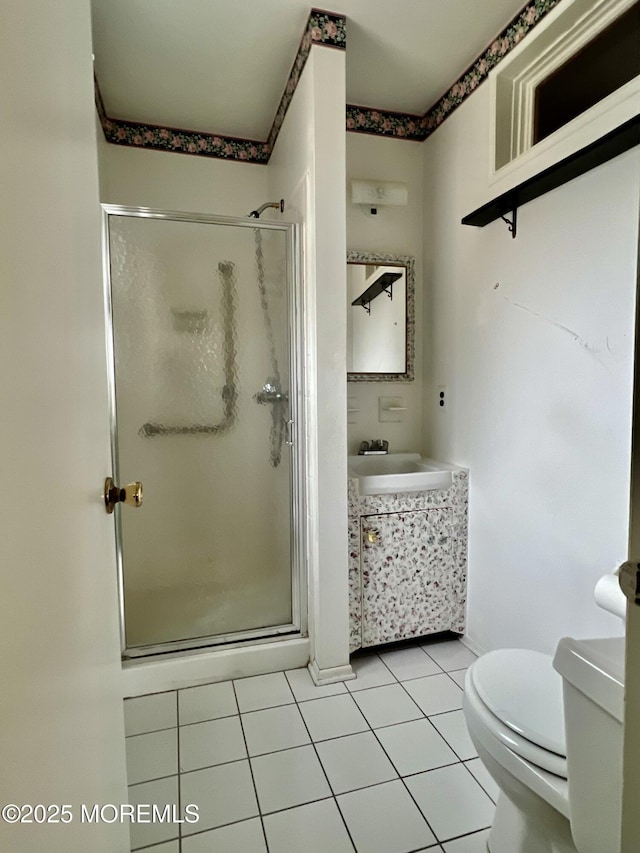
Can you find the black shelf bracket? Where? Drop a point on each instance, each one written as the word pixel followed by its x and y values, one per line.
pixel 383 284
pixel 513 222
pixel 602 150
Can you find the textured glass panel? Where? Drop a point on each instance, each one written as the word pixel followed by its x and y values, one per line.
pixel 200 321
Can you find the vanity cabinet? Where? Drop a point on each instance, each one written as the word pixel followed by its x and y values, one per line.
pixel 407 563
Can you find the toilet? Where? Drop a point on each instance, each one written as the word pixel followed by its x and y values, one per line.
pixel 549 731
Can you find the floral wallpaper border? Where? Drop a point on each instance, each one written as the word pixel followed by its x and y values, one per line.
pixel 329 30
pixel 322 28
pixel 181 141
pixel 386 123
pixel 418 128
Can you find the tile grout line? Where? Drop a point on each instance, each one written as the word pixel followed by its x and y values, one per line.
pixel 451 747
pixel 479 783
pixel 464 669
pixel 464 835
pixel 400 777
pixel 158 778
pixel 317 799
pixel 155 779
pixel 179 771
pixel 151 732
pixel 405 785
pixel 211 720
pixel 333 795
pixel 460 761
pixel 154 846
pixel 326 776
pixel 439 714
pixel 423 676
pixel 320 740
pixel 397 681
pixel 424 714
pixel 253 779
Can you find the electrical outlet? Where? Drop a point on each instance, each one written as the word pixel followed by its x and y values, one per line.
pixel 442 395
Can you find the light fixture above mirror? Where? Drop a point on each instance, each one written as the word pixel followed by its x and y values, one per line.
pixel 374 194
pixel 380 317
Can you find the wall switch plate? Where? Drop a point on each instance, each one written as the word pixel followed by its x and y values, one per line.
pixel 442 396
pixel 391 410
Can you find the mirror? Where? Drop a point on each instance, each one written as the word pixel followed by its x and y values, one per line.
pixel 380 317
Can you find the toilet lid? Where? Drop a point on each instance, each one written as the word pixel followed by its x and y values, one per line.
pixel 525 693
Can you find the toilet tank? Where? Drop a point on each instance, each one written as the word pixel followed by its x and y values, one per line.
pixel 593 686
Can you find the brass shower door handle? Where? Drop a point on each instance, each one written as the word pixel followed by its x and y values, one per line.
pixel 131 494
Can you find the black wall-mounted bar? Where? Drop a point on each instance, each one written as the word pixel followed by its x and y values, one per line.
pixel 606 148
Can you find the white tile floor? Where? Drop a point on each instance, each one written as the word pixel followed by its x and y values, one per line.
pixel 382 764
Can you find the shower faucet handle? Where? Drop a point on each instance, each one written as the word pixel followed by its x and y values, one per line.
pixel 131 494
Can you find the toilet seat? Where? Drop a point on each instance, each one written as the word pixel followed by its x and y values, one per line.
pixel 521 695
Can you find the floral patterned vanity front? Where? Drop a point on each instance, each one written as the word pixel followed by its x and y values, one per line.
pixel 407 562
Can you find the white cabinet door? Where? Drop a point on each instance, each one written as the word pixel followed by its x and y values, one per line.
pixel 408 585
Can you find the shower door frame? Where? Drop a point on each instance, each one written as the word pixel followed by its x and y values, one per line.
pixel 297 477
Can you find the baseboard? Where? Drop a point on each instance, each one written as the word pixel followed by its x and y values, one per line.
pixel 472 646
pixel 331 675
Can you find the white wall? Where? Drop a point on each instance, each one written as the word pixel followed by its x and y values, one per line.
pixel 394 230
pixel 162 179
pixel 61 718
pixel 307 170
pixel 533 338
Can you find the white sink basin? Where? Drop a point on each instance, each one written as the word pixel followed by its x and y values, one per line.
pixel 399 472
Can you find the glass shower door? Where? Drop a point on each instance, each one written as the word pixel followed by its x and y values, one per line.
pixel 203 406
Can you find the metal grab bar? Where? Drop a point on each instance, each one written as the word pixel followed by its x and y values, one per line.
pixel 151 430
pixel 271 397
pixel 229 394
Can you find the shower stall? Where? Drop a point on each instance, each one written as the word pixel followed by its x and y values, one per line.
pixel 204 347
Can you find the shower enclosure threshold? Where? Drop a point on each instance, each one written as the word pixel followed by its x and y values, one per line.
pixel 191 668
pixel 198 645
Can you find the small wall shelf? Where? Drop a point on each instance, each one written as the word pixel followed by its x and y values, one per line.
pixel 383 283
pixel 606 148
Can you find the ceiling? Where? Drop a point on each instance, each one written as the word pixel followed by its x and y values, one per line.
pixel 221 66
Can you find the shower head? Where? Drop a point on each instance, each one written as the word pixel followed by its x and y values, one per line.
pixel 279 205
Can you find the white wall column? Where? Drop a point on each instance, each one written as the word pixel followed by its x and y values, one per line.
pixel 307 169
pixel 329 614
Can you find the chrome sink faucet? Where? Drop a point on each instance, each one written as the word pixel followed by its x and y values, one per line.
pixel 375 446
